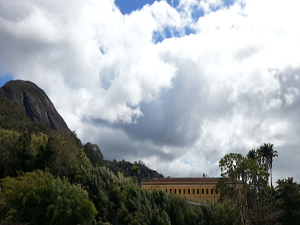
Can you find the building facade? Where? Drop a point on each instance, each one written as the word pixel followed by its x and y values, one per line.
pixel 201 188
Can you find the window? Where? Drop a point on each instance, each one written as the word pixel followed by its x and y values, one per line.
pixel 184 191
pixel 193 191
pixel 170 191
pixel 188 191
pixel 180 191
pixel 212 191
pixel 198 192
pixel 174 191
pixel 166 190
pixel 207 191
pixel 202 191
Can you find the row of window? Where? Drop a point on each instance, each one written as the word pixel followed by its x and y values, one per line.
pixel 191 191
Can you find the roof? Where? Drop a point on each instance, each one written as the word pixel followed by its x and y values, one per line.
pixel 184 180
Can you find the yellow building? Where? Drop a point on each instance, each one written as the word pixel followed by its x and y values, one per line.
pixel 201 188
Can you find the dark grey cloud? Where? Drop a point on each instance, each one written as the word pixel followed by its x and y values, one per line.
pixel 173 119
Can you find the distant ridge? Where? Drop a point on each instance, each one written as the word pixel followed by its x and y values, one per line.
pixel 36 103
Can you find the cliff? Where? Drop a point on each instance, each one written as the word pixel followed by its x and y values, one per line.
pixel 35 102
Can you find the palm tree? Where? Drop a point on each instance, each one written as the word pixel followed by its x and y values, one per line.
pixel 267 154
pixel 252 154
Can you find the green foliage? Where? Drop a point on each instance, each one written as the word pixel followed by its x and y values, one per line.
pixel 135 207
pixel 288 197
pixel 94 154
pixel 40 198
pixel 126 168
pixel 8 152
pixel 244 182
pixel 27 151
pixel 215 213
pixel 181 212
pixel 64 151
pixel 136 169
pixel 13 116
pixel 140 206
pixel 120 199
pixel 101 185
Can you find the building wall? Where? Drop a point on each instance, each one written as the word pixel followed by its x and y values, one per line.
pixel 197 191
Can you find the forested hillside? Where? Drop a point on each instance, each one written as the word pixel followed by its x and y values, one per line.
pixel 34 136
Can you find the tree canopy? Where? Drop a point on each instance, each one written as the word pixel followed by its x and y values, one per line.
pixel 244 182
pixel 39 198
pixel 288 198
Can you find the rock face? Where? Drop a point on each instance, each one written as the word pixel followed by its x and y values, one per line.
pixel 36 103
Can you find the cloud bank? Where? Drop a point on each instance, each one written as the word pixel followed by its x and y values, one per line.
pixel 177 87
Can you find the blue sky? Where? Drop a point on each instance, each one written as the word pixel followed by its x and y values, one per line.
pixel 127 6
pixel 169 85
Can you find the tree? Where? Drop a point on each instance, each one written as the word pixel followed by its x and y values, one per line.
pixel 244 183
pixel 102 187
pixel 252 154
pixel 39 198
pixel 8 153
pixel 94 154
pixel 136 169
pixel 234 177
pixel 268 153
pixel 288 197
pixel 219 214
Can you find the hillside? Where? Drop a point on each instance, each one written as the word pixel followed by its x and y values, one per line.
pixel 144 173
pixel 34 136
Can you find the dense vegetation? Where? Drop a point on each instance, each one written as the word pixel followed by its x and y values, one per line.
pixel 39 198
pixel 49 177
pixel 138 169
pixel 245 185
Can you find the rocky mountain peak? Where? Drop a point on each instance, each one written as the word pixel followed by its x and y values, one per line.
pixel 35 102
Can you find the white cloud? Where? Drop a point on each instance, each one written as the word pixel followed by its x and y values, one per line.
pixel 230 86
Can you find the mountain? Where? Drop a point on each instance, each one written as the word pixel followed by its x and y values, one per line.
pixel 34 136
pixel 35 102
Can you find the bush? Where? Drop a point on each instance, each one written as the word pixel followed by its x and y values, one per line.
pixel 39 198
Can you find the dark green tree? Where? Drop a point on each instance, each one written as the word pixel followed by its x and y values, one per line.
pixel 181 212
pixel 8 153
pixel 94 154
pixel 102 187
pixel 288 198
pixel 219 214
pixel 253 154
pixel 39 198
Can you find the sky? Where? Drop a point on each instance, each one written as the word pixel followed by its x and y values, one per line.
pixel 177 84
